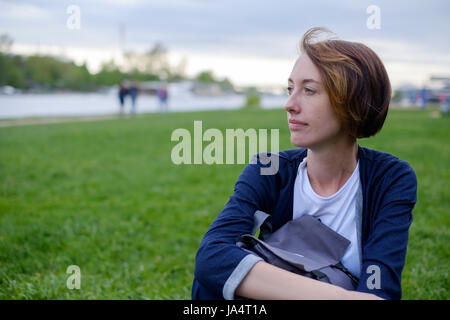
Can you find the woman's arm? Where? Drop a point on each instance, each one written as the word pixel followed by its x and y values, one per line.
pixel 220 265
pixel 268 282
pixel 391 200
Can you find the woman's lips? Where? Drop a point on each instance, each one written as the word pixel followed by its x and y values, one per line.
pixel 295 124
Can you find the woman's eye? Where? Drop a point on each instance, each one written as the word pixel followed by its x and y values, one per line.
pixel 289 90
pixel 309 91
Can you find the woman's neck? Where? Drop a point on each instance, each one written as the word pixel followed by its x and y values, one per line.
pixel 331 166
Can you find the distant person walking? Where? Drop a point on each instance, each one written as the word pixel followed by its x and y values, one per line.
pixel 444 104
pixel 418 99
pixel 424 97
pixel 163 95
pixel 122 94
pixel 134 92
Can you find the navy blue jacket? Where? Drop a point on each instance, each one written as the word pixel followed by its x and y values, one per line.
pixel 389 188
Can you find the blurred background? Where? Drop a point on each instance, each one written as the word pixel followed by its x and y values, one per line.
pixel 211 54
pixel 90 92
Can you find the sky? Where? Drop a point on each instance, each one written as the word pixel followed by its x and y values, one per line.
pixel 252 42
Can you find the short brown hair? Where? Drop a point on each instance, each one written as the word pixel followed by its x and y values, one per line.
pixel 355 79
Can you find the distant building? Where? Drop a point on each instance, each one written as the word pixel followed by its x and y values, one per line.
pixel 186 87
pixel 434 88
pixel 207 89
pixel 149 87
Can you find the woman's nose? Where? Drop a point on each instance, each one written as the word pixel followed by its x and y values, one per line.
pixel 292 104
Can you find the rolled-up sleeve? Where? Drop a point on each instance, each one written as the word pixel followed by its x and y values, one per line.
pixel 220 265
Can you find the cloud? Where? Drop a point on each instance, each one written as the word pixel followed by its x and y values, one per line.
pixel 411 31
pixel 24 12
pixel 231 24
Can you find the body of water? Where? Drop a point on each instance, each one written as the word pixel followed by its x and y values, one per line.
pixel 89 104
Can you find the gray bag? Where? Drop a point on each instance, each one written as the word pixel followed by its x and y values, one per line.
pixel 304 246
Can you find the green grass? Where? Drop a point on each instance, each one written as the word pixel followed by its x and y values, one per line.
pixel 105 196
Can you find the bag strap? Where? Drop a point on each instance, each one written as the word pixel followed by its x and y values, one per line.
pixel 262 221
pixel 341 267
pixel 319 275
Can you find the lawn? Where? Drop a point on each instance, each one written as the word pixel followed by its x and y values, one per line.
pixel 105 196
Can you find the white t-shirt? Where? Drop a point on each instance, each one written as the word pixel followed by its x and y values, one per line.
pixel 337 211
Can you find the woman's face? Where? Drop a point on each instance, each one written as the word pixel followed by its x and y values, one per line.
pixel 312 120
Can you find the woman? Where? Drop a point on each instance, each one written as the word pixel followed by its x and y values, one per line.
pixel 338 91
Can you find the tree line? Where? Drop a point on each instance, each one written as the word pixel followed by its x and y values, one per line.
pixel 48 73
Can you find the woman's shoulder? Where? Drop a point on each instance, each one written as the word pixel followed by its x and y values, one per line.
pixel 268 166
pixel 379 160
pixel 386 170
pixel 284 155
